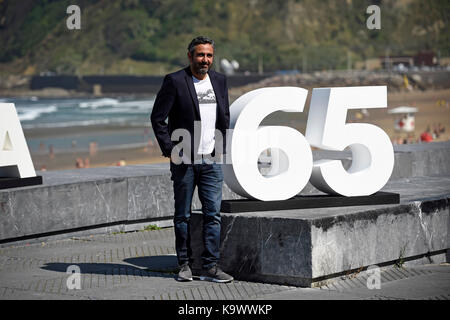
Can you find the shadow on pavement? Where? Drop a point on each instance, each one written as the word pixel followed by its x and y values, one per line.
pixel 157 266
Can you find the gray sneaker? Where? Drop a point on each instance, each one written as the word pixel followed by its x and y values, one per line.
pixel 185 273
pixel 215 274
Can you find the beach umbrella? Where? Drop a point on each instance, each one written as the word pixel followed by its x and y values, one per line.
pixel 406 121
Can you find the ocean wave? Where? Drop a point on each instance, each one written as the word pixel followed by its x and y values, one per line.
pixel 80 112
pixel 104 102
pixel 67 124
pixel 125 122
pixel 32 113
pixel 118 110
pixel 140 106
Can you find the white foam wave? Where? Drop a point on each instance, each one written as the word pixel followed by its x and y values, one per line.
pixel 29 114
pixel 84 123
pixel 139 104
pixel 105 102
pixel 129 107
pixel 117 110
pixel 68 124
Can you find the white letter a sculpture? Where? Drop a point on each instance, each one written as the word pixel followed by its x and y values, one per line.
pixel 16 166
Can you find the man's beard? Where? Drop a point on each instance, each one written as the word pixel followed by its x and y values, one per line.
pixel 202 68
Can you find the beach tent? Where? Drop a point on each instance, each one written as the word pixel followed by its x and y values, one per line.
pixel 405 121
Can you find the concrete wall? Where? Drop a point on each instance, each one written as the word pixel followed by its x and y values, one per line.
pixel 309 247
pixel 124 198
pixel 411 160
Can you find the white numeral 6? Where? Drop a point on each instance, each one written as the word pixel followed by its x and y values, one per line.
pixel 292 165
pixel 291 170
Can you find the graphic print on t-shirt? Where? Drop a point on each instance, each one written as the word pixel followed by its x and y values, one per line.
pixel 207 96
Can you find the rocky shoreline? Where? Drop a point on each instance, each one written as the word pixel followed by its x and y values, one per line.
pixel 17 85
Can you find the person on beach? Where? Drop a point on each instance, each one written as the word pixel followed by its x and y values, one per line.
pixel 188 97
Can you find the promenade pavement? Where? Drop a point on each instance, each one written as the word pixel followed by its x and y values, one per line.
pixel 142 265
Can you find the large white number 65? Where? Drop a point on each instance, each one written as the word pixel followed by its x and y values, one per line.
pixel 248 140
pixel 372 151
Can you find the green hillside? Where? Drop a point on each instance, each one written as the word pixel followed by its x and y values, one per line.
pixel 150 36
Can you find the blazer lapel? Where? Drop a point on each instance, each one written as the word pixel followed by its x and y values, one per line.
pixel 215 86
pixel 190 84
pixel 218 94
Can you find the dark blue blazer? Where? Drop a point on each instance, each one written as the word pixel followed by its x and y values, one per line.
pixel 177 100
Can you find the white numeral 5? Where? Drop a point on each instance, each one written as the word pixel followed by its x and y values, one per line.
pixel 372 151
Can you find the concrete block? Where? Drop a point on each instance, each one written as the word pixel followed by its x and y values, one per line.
pixel 425 159
pixel 38 210
pixel 309 246
pixel 149 197
pixel 116 198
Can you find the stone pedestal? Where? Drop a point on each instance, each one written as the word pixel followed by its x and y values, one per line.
pixel 306 247
pixel 8 183
pixel 307 202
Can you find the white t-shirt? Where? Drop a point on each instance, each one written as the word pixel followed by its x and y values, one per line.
pixel 208 106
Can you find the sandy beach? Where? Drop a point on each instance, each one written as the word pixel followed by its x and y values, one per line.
pixel 104 158
pixel 433 106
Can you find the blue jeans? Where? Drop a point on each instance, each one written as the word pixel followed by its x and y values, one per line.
pixel 209 179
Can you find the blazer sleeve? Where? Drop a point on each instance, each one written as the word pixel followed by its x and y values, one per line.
pixel 164 102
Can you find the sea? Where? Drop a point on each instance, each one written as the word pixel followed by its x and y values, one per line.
pixel 74 123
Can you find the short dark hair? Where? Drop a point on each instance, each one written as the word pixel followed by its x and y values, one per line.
pixel 199 40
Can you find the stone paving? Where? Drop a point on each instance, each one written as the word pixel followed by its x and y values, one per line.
pixel 142 265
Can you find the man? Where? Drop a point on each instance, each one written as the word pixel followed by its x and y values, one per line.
pixel 189 97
